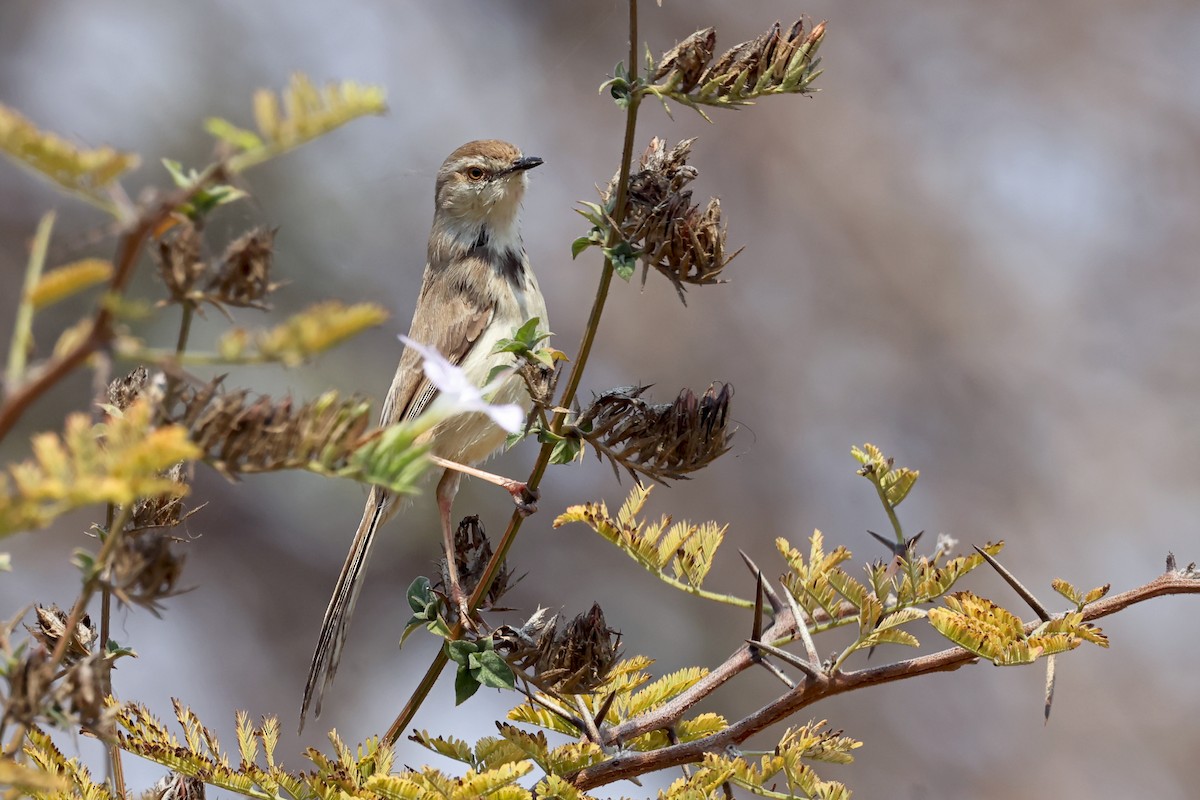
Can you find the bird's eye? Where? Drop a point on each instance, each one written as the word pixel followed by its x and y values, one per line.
pixel 476 173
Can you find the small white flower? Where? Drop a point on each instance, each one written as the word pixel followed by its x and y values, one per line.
pixel 946 543
pixel 457 394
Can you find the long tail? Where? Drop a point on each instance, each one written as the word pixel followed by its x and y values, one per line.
pixel 337 616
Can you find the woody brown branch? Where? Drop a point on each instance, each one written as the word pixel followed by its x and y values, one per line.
pixel 629 765
pixel 129 248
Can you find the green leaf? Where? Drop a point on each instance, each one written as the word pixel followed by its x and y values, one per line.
pixel 565 451
pixel 204 199
pixel 1067 590
pixel 460 651
pixel 464 686
pixel 623 259
pixel 116 650
pixel 491 670
pixel 86 562
pixel 420 595
pixel 426 610
pixel 898 484
pixel 579 245
pixel 594 214
pixel 528 333
pixel 226 131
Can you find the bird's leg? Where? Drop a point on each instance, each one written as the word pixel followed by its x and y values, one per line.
pixel 525 498
pixel 446 489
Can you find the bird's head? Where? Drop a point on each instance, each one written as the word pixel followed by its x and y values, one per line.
pixel 481 183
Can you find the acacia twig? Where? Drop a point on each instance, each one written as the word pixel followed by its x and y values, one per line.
pixel 632 764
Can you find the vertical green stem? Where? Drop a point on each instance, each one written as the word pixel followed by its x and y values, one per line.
pixel 18 351
pixel 116 771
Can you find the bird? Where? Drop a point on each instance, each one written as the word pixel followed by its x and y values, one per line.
pixel 477 288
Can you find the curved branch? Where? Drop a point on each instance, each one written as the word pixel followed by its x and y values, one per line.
pixel 128 249
pixel 629 765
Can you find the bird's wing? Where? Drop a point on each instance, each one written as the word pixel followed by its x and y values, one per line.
pixel 449 317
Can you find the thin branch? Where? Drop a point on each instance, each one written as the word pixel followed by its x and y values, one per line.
pixel 18 351
pixel 128 249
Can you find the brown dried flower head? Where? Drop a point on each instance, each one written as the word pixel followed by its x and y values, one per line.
pixel 581 656
pixel 79 697
pixel 164 511
pixel 685 62
pixel 523 645
pixel 472 552
pixel 176 786
pixel 242 434
pixel 682 241
pixel 146 568
pixel 75 699
pixel 123 391
pixel 244 277
pixel 51 625
pixel 29 679
pixel 777 62
pixel 660 441
pixel 179 263
pixel 576 660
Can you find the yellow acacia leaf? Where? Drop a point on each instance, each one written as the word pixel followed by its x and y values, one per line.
pixel 65 281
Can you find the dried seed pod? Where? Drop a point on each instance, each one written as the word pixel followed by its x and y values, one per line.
pixel 165 511
pixel 523 645
pixel 244 277
pixel 123 391
pixel 52 625
pixel 472 552
pixel 664 441
pixel 176 786
pixel 684 63
pixel 774 62
pixel 240 434
pixel 682 241
pixel 576 660
pixel 146 569
pixel 180 265
pixel 29 681
pixel 580 657
pixel 80 694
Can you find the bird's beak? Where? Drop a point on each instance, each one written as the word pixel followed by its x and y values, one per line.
pixel 522 164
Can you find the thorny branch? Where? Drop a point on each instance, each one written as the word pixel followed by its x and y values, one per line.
pixel 808 691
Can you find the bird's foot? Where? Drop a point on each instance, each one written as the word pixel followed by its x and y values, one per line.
pixel 525 497
pixel 462 605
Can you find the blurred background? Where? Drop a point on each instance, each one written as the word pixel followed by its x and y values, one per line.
pixel 975 248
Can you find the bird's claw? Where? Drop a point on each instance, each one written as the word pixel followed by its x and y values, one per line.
pixel 525 498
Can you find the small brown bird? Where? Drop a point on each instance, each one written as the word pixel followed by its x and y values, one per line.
pixel 478 288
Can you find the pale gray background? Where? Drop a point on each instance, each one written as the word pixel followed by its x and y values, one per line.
pixel 975 247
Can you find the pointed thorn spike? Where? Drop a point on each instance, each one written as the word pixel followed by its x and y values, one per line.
pixel 1012 581
pixel 801 620
pixel 602 712
pixel 778 673
pixel 789 658
pixel 756 628
pixel 772 597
